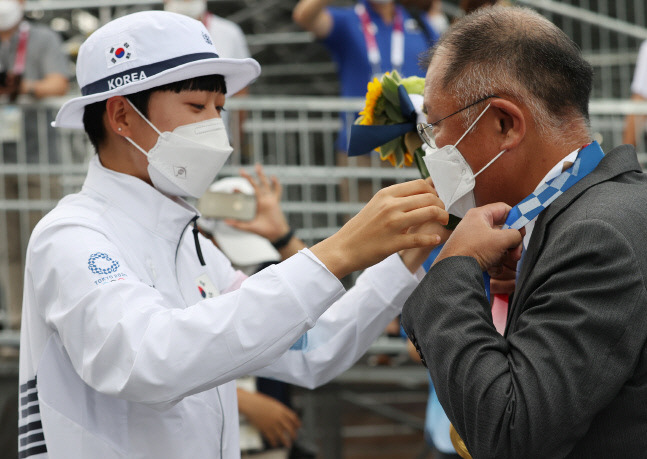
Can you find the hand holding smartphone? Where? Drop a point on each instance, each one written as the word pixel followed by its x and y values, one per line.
pixel 220 205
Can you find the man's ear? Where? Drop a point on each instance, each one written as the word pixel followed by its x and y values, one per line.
pixel 120 116
pixel 511 122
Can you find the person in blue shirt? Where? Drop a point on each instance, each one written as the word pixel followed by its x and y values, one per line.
pixel 365 40
pixel 373 37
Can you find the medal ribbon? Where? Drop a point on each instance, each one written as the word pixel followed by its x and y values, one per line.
pixel 520 215
pixel 587 159
pixel 532 205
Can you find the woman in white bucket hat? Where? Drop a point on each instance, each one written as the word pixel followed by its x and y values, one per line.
pixel 134 326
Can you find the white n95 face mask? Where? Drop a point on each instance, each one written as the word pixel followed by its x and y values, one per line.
pixel 186 161
pixel 11 13
pixel 452 176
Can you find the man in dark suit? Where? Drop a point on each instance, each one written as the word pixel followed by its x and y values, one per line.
pixel 569 376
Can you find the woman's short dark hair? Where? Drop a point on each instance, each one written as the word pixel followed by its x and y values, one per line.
pixel 93 114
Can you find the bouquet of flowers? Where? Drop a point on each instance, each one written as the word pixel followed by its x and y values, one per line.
pixel 387 124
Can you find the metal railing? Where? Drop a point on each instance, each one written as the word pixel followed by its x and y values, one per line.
pixel 293 137
pixel 609 33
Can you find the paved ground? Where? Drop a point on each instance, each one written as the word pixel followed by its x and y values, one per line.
pixel 367 421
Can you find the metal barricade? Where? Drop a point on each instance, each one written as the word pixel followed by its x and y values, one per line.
pixel 293 137
pixel 39 166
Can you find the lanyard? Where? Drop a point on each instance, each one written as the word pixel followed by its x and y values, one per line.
pixel 21 50
pixel 369 29
pixel 531 206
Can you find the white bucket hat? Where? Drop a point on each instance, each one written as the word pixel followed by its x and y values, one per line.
pixel 244 249
pixel 142 51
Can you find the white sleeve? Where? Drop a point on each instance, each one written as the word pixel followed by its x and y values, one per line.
pixel 639 84
pixel 124 339
pixel 347 329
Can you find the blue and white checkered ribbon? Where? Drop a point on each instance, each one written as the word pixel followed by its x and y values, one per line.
pixel 520 215
pixel 524 212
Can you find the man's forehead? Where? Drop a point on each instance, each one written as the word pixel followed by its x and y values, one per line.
pixel 432 84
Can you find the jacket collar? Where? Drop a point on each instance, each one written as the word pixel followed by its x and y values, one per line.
pixel 618 161
pixel 158 213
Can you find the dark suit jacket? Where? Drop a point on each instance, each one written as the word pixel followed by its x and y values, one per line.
pixel 569 378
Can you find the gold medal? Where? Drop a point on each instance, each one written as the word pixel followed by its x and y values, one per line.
pixel 459 444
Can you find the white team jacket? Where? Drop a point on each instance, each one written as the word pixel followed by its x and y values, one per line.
pixel 129 346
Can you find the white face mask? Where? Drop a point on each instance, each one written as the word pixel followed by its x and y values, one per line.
pixel 10 14
pixel 186 161
pixel 452 176
pixel 192 8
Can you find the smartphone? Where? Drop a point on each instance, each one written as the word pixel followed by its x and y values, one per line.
pixel 3 78
pixel 239 206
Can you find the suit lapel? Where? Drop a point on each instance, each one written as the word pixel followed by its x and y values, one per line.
pixel 618 161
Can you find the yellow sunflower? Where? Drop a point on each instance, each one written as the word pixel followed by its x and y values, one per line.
pixel 390 157
pixel 408 159
pixel 374 92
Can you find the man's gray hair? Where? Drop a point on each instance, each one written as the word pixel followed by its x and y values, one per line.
pixel 516 52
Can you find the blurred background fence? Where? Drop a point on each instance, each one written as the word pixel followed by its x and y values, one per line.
pixel 288 123
pixel 293 137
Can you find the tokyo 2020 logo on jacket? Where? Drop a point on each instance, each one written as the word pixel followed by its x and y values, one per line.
pixel 101 263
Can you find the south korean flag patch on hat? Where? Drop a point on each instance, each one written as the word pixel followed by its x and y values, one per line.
pixel 120 53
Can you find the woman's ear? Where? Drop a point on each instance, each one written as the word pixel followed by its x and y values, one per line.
pixel 511 122
pixel 119 114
